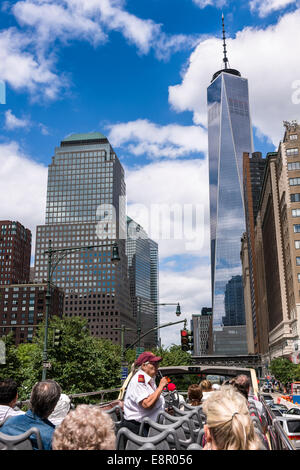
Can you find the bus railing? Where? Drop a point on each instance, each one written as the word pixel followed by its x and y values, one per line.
pixel 277 437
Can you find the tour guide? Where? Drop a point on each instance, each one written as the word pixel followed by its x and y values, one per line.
pixel 142 397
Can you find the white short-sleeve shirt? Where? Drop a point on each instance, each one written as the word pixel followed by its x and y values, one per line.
pixel 139 388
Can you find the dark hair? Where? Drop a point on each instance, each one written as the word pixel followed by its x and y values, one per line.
pixel 8 391
pixel 44 397
pixel 195 394
pixel 242 384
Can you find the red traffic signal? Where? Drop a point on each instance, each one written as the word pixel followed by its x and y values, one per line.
pixel 184 340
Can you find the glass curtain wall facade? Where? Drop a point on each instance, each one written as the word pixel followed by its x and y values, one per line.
pixel 86 187
pixel 140 269
pixel 229 135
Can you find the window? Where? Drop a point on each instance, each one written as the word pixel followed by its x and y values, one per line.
pixel 297 244
pixel 293 137
pixel 298 277
pixel 294 181
pixel 294 166
pixel 292 152
pixel 296 212
pixel 295 197
pixel 298 260
pixel 297 228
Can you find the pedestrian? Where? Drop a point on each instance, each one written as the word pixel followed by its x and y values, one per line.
pixel 228 423
pixel 8 399
pixel 143 398
pixel 85 428
pixel 43 399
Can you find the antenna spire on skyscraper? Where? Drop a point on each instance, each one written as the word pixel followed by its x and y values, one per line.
pixel 225 59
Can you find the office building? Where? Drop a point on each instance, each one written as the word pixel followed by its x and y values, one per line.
pixel 142 255
pixel 86 206
pixel 229 135
pixel 253 174
pixel 23 307
pixel 277 239
pixel 201 326
pixel 15 252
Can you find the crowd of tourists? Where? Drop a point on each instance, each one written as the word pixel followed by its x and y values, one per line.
pixel 227 408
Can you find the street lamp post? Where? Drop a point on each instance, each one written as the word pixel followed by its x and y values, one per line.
pixel 61 254
pixel 139 329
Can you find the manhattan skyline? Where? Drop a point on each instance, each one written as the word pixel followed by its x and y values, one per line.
pixel 138 73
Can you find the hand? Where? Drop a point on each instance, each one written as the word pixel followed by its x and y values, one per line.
pixel 163 382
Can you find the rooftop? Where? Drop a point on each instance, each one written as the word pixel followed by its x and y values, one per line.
pixel 86 138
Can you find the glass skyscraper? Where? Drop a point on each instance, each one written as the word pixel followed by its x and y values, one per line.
pixel 229 135
pixel 86 186
pixel 142 254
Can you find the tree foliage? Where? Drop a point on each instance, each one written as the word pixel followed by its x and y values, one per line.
pixel 284 370
pixel 81 363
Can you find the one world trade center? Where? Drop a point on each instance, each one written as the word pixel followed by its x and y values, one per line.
pixel 229 135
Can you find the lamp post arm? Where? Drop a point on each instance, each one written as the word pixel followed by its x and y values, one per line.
pixel 154 329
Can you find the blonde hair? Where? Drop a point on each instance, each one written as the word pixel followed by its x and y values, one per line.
pixel 85 428
pixel 206 386
pixel 229 421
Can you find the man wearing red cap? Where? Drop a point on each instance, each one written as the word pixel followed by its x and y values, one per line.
pixel 143 398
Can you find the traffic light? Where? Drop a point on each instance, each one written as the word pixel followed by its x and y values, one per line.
pixel 184 340
pixel 187 340
pixel 57 337
pixel 191 340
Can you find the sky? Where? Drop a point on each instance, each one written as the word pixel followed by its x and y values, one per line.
pixel 137 71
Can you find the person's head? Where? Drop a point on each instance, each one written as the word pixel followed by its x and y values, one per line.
pixel 229 426
pixel 148 362
pixel 194 394
pixel 44 396
pixel 85 428
pixel 61 409
pixel 242 384
pixel 8 392
pixel 206 386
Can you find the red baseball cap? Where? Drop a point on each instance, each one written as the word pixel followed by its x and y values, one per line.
pixel 147 356
pixel 171 387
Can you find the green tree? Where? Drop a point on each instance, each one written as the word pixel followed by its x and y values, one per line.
pixel 284 370
pixel 81 363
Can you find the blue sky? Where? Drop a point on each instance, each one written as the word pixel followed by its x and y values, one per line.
pixel 137 71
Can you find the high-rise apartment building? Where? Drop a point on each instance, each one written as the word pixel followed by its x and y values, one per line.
pixel 142 254
pixel 15 252
pixel 86 206
pixel 253 174
pixel 229 135
pixel 23 306
pixel 277 242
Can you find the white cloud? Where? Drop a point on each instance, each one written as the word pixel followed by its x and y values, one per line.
pixel 266 57
pixel 265 7
pixel 23 188
pixel 22 69
pixel 27 56
pixel 63 20
pixel 170 141
pixel 165 186
pixel 12 122
pixel 192 289
pixel 214 3
pixel 92 20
